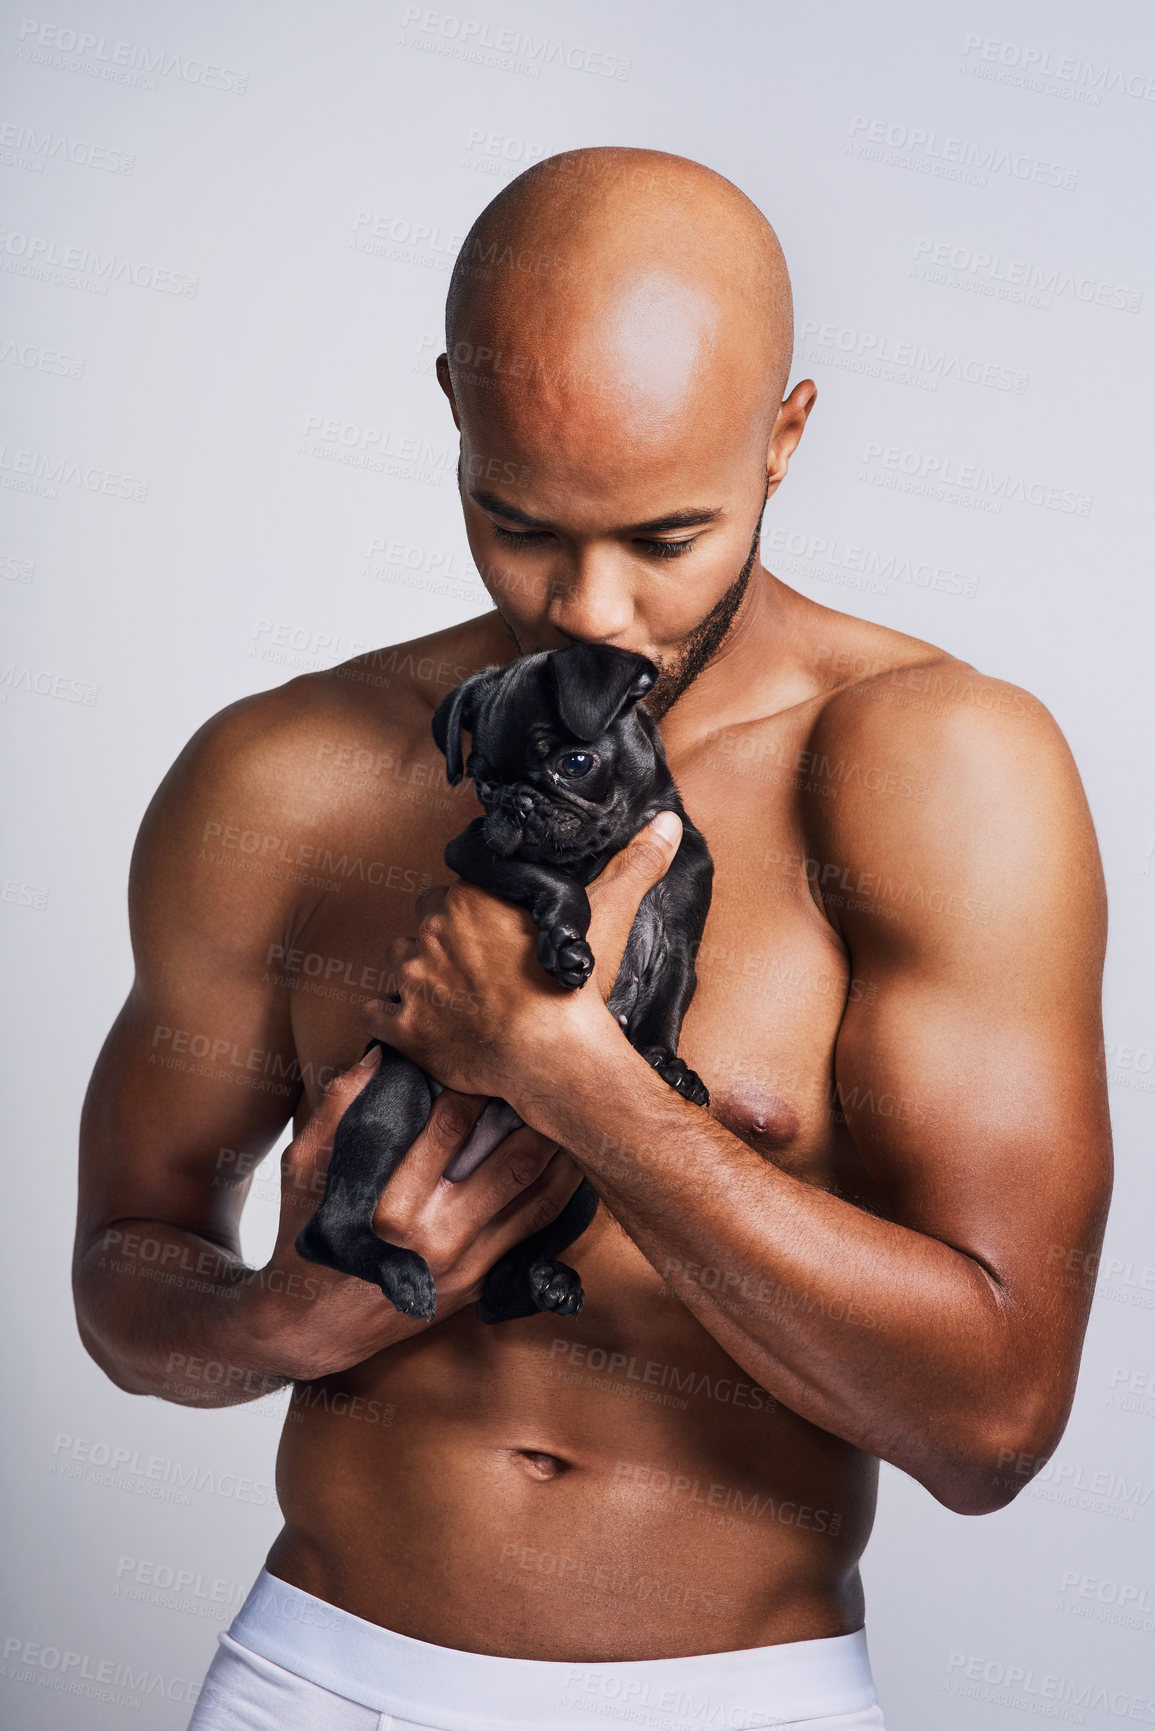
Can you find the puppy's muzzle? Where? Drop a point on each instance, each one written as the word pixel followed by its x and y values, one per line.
pixel 506 820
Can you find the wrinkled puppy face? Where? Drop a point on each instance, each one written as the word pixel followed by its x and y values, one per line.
pixel 559 759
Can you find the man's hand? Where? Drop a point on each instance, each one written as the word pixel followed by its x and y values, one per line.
pixel 312 1321
pixel 474 1006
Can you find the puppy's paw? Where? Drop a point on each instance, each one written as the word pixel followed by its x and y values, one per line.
pixel 407 1282
pixel 554 1286
pixel 565 954
pixel 678 1074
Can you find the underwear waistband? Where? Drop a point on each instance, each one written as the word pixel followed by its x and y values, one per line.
pixel 740 1690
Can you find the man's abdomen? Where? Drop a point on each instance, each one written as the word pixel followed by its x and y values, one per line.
pixel 609 1487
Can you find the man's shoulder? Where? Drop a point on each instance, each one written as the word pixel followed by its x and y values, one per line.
pixel 402 683
pixel 913 702
pixel 319 760
pixel 264 748
pixel 936 770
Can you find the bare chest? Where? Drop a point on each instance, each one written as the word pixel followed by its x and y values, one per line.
pixel 772 978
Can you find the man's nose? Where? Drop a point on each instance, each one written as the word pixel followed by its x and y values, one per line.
pixel 591 601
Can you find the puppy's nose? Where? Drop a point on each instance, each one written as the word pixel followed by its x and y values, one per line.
pixel 523 804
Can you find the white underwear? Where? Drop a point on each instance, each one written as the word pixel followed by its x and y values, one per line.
pixel 291 1662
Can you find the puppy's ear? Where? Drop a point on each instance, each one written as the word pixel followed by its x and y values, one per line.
pixel 455 712
pixel 593 683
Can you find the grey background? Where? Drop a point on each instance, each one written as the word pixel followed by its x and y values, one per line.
pixel 242 154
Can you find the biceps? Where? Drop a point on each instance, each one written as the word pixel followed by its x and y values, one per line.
pixel 985 1123
pixel 185 1099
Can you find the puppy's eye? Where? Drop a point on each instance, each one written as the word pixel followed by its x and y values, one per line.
pixel 575 764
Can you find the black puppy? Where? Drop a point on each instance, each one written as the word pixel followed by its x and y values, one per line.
pixel 568 770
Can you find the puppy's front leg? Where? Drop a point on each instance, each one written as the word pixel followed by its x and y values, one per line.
pixel 557 904
pixel 682 901
pixel 372 1138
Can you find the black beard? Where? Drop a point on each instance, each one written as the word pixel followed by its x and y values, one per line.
pixel 700 645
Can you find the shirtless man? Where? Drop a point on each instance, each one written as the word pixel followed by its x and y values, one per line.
pixel 654 1511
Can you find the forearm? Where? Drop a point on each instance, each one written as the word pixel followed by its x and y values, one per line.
pixel 873 1331
pixel 168 1313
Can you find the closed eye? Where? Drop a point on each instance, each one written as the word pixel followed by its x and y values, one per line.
pixel 519 537
pixel 667 549
pixel 652 549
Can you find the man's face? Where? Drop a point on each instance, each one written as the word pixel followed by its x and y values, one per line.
pixel 592 518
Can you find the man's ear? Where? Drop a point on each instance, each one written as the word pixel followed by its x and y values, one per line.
pixel 593 683
pixel 788 428
pixel 453 713
pixel 441 367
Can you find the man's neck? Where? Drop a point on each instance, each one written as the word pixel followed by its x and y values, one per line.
pixel 759 668
pixel 756 670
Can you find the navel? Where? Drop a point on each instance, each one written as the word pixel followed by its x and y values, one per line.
pixel 538 1464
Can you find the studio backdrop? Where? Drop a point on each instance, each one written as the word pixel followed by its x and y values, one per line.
pixel 227 235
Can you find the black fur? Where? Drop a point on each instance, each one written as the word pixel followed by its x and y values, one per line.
pixel 545 835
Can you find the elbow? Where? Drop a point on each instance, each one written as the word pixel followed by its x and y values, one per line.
pixel 94 1337
pixel 100 1355
pixel 996 1459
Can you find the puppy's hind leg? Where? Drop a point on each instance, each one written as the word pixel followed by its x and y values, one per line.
pixel 373 1135
pixel 528 1278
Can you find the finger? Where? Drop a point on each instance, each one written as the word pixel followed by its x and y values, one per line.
pixel 616 894
pixel 445 1217
pixel 398 951
pixel 306 1159
pixel 338 1095
pixel 450 1121
pixel 535 1207
pixel 515 1164
pixel 431 900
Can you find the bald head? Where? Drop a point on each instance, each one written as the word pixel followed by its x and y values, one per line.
pixel 633 276
pixel 619 335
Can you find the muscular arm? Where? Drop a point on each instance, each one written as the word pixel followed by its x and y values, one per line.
pixel 200 1074
pixel 942 1338
pixel 195 1082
